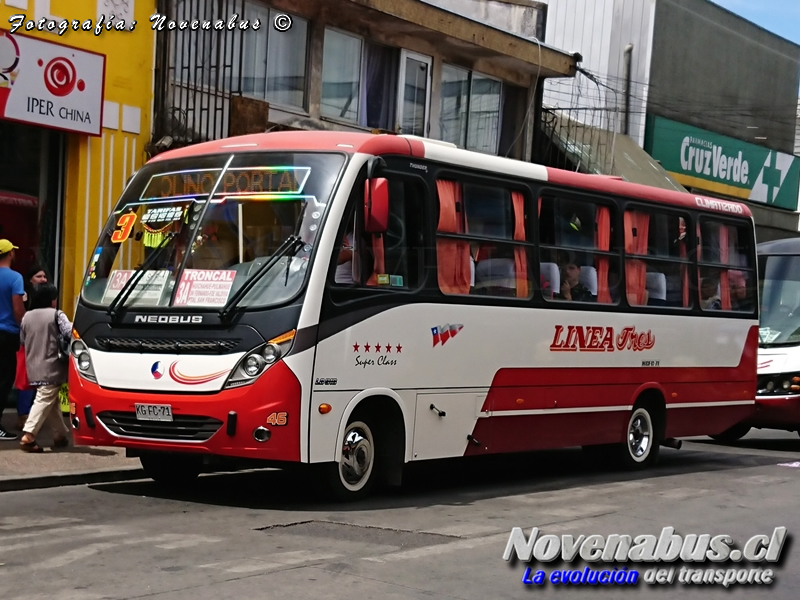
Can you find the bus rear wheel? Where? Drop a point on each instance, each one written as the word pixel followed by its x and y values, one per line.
pixel 353 475
pixel 172 470
pixel 641 446
pixel 732 434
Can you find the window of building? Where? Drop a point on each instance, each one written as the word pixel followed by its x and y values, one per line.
pixel 727 278
pixel 274 63
pixel 657 263
pixel 392 260
pixel 578 261
pixel 413 103
pixel 359 81
pixel 470 115
pixel 482 244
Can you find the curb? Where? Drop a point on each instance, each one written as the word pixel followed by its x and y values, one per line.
pixel 51 480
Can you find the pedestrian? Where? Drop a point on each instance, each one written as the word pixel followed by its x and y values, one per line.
pixel 12 308
pixel 39 333
pixel 26 392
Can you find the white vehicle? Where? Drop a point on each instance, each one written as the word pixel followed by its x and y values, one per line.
pixel 778 393
pixel 355 302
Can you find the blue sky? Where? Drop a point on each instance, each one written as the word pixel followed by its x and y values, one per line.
pixel 781 17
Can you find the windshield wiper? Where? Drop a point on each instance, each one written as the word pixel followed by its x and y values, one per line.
pixel 126 290
pixel 289 247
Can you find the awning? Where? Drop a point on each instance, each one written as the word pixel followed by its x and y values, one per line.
pixel 602 152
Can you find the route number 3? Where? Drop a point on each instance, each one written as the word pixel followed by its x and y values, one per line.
pixel 125 226
pixel 277 418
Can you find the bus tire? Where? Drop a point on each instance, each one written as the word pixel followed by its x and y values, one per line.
pixel 355 472
pixel 642 442
pixel 732 434
pixel 171 470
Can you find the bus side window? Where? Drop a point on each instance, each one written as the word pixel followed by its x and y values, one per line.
pixel 727 278
pixel 577 261
pixel 390 260
pixel 657 261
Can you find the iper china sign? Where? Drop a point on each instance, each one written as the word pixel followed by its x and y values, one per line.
pixel 50 84
pixel 717 163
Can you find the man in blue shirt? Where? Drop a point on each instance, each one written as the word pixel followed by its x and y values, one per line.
pixel 12 291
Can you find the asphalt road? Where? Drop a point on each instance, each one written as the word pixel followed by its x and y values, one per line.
pixel 264 535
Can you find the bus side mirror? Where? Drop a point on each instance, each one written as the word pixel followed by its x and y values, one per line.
pixel 376 205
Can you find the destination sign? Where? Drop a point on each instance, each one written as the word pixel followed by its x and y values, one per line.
pixel 235 182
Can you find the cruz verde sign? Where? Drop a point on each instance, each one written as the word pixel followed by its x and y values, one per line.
pixel 717 163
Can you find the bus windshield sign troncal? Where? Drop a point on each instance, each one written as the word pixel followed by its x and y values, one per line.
pixel 235 182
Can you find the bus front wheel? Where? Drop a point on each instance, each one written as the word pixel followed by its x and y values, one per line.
pixel 354 473
pixel 172 470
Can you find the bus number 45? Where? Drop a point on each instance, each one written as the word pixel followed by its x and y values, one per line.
pixel 277 419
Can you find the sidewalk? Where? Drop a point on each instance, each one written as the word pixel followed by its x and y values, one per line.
pixel 68 466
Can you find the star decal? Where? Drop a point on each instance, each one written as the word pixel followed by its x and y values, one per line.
pixel 355 347
pixel 388 348
pixel 398 348
pixel 377 347
pixel 366 347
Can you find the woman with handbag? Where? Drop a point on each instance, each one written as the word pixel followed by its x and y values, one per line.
pixel 25 391
pixel 43 332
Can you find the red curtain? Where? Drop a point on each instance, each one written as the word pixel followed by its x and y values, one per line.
pixel 602 241
pixel 520 252
pixel 684 268
pixel 724 257
pixel 452 255
pixel 636 232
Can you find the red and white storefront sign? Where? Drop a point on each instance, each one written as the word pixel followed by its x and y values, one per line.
pixel 50 84
pixel 204 287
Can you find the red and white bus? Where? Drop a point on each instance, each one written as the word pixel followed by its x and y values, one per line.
pixel 355 302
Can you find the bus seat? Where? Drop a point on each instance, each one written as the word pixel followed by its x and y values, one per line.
pixel 674 294
pixel 656 286
pixel 588 278
pixel 496 277
pixel 551 278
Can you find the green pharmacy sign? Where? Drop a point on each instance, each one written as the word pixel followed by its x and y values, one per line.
pixel 720 164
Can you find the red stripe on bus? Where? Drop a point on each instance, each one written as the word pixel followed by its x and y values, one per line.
pixel 303 141
pixel 634 190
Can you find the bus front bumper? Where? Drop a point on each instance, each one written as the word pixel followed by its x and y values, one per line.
pixel 259 421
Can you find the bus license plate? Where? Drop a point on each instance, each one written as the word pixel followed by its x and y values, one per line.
pixel 153 412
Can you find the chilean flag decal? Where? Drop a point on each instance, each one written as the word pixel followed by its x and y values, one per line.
pixel 193 379
pixel 443 333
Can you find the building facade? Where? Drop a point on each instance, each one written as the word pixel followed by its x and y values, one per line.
pixel 403 66
pixel 75 118
pixel 688 72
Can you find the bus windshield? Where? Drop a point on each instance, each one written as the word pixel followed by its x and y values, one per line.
pixel 203 226
pixel 780 300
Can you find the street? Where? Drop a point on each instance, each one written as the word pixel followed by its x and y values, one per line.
pixel 263 534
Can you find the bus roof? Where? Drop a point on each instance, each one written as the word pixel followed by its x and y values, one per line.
pixel 788 246
pixel 417 147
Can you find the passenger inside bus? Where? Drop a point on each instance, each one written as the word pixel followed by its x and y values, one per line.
pixel 571 286
pixel 344 265
pixel 709 294
pixel 740 298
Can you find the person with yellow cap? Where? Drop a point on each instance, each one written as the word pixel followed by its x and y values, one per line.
pixel 12 309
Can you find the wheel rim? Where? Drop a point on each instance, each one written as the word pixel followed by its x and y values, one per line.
pixel 640 435
pixel 358 456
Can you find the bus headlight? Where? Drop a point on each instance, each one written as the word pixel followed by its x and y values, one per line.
pixel 253 365
pixel 83 360
pixel 258 360
pixel 272 353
